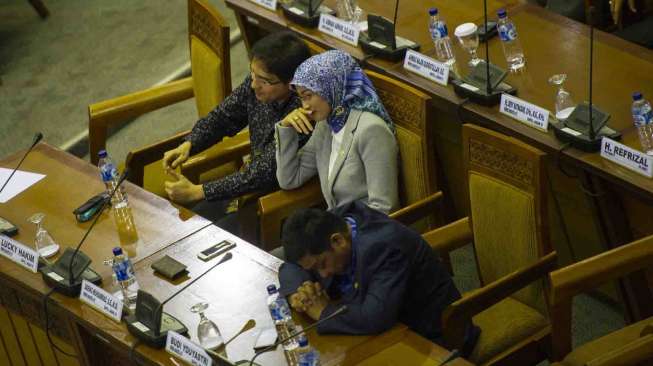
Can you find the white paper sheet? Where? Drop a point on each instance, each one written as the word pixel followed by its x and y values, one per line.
pixel 19 182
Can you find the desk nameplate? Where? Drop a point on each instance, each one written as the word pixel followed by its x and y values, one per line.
pixel 268 4
pixel 340 29
pixel 184 348
pixel 101 300
pixel 426 67
pixel 525 112
pixel 627 157
pixel 19 253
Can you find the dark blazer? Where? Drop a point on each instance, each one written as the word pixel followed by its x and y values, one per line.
pixel 398 278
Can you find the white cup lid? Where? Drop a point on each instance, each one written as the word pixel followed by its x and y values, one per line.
pixel 465 29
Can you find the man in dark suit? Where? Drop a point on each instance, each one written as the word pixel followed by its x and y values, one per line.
pixel 383 271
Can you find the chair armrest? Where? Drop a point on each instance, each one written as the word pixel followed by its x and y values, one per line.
pixel 139 158
pixel 423 208
pixel 457 314
pixel 275 207
pixel 634 353
pixel 112 112
pixel 451 236
pixel 592 272
pixel 230 149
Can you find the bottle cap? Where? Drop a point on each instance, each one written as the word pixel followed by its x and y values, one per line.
pixel 303 342
pixel 465 29
pixel 637 95
pixel 433 11
pixel 117 251
pixel 102 154
pixel 272 289
pixel 501 13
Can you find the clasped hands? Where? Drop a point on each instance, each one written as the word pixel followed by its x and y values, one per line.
pixel 310 299
pixel 180 189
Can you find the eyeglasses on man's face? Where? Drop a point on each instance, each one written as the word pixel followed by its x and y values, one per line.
pixel 263 80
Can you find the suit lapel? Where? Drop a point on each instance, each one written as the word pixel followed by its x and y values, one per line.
pixel 347 139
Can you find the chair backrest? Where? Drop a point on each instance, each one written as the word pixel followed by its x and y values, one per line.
pixel 208 35
pixel 507 191
pixel 409 109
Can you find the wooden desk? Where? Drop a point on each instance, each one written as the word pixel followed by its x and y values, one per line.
pixel 236 290
pixel 601 204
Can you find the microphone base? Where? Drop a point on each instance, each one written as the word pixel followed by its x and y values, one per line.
pixel 480 95
pixel 580 140
pixel 298 14
pixel 385 52
pixel 147 336
pixel 63 285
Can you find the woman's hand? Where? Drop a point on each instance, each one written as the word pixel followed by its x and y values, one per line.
pixel 300 120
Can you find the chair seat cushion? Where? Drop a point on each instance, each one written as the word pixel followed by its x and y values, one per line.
pixel 503 325
pixel 601 346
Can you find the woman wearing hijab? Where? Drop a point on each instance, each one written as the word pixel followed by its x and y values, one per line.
pixel 352 147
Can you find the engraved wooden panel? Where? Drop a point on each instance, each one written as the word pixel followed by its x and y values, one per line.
pixel 207 24
pixel 508 165
pixel 408 110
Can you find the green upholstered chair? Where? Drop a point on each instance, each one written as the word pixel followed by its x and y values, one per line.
pixel 410 111
pixel 631 345
pixel 210 83
pixel 508 228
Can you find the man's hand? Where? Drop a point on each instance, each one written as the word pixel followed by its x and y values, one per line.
pixel 181 190
pixel 175 157
pixel 300 120
pixel 309 299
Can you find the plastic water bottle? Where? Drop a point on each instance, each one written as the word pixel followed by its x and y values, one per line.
pixel 307 355
pixel 124 272
pixel 121 211
pixel 440 37
pixel 643 119
pixel 511 47
pixel 280 313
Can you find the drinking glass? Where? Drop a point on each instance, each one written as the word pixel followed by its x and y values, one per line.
pixel 43 242
pixel 207 332
pixel 564 104
pixel 467 34
pixel 349 10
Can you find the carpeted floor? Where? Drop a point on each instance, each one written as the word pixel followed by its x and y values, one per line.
pixel 86 51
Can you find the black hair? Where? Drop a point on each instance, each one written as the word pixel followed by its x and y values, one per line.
pixel 308 231
pixel 281 53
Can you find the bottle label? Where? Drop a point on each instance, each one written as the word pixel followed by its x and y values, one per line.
pixel 507 32
pixel 440 30
pixel 108 172
pixel 643 117
pixel 122 270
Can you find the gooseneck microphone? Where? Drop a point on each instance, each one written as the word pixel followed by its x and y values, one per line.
pixel 66 274
pixel 338 311
pixel 37 137
pixel 97 216
pixel 145 323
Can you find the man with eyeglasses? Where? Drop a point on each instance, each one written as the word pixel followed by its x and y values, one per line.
pixel 263 99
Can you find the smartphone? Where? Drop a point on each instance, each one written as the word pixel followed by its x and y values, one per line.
pixel 215 250
pixel 7 228
pixel 485 33
pixel 265 338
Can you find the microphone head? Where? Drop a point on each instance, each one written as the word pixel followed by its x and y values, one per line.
pixel 37 137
